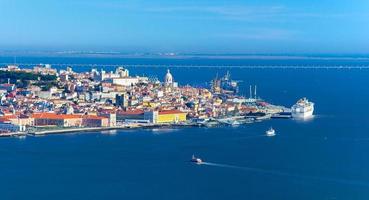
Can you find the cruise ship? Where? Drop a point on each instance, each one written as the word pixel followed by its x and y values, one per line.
pixel 302 109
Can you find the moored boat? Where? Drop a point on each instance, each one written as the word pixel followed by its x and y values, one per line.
pixel 302 109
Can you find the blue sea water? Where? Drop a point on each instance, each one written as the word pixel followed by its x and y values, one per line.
pixel 325 158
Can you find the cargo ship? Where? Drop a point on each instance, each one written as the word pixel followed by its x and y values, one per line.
pixel 225 85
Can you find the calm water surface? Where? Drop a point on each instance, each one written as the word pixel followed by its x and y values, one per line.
pixel 325 158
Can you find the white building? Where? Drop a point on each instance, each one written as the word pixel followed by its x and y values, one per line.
pixel 120 72
pixel 128 81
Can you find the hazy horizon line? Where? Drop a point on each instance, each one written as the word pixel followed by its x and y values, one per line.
pixel 180 55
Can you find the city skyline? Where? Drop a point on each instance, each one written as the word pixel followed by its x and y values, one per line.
pixel 280 27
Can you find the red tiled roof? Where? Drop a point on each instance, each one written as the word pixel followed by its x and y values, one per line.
pixel 167 112
pixel 3 119
pixel 9 116
pixel 55 116
pixel 93 117
pixel 108 111
pixel 131 112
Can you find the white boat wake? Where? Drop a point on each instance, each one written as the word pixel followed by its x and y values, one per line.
pixel 280 173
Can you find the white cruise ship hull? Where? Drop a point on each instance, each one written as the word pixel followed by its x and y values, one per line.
pixel 303 115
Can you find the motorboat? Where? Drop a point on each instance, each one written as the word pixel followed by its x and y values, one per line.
pixel 270 132
pixel 196 160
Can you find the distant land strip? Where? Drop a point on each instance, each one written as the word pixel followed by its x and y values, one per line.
pixel 199 66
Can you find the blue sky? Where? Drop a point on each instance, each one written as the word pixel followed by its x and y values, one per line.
pixel 201 26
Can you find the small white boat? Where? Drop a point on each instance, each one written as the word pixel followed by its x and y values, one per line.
pixel 196 160
pixel 270 132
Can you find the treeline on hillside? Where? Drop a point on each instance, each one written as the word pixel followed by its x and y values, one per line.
pixel 14 76
pixel 22 79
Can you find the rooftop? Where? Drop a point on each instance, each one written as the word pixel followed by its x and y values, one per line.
pixel 55 116
pixel 167 112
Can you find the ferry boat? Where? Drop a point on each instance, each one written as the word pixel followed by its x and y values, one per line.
pixel 195 160
pixel 302 109
pixel 270 132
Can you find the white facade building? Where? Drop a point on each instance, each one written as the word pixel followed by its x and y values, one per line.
pixel 120 72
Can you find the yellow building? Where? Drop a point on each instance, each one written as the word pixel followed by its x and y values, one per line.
pixel 217 102
pixel 171 116
pixel 150 104
pixel 165 116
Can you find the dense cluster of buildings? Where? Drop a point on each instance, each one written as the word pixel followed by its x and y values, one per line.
pixel 111 99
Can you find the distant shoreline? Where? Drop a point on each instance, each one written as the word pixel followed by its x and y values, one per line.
pixel 76 54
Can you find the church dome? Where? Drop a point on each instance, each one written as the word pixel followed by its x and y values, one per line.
pixel 168 78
